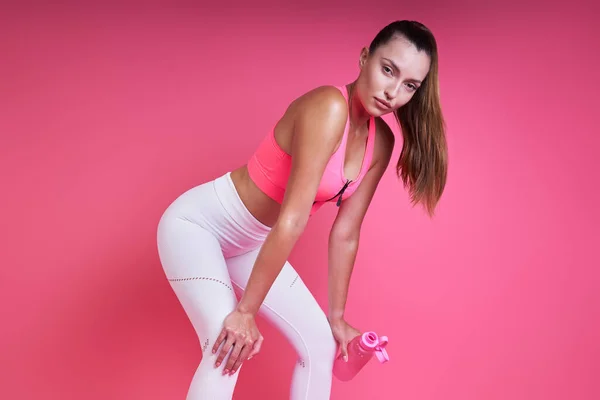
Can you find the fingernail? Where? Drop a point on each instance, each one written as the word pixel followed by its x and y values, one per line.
pixel 217 364
pixel 232 372
pixel 249 357
pixel 225 372
pixel 346 358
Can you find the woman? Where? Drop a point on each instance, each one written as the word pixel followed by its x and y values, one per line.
pixel 234 234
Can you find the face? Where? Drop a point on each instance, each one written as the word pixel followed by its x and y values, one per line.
pixel 390 76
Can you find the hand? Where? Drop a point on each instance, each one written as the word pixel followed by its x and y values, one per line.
pixel 343 334
pixel 240 332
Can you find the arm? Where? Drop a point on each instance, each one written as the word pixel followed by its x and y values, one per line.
pixel 320 118
pixel 345 233
pixel 318 127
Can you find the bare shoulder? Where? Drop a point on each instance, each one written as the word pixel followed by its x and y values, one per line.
pixel 384 142
pixel 323 95
pixel 315 118
pixel 319 107
pixel 323 101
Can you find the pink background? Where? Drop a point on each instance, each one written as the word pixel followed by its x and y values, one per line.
pixel 107 113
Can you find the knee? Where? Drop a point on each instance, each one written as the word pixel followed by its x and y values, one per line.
pixel 329 343
pixel 322 347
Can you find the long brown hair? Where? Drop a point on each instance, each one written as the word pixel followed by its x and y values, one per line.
pixel 423 162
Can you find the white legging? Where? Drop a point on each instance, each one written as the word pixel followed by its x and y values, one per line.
pixel 208 242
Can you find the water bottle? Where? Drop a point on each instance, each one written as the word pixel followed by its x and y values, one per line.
pixel 360 351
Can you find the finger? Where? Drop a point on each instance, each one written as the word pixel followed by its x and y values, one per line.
pixel 338 350
pixel 345 351
pixel 220 339
pixel 225 349
pixel 233 357
pixel 256 347
pixel 243 356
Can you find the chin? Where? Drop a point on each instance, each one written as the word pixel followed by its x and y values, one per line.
pixel 377 112
pixel 372 108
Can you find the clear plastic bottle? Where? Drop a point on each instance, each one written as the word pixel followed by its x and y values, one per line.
pixel 360 350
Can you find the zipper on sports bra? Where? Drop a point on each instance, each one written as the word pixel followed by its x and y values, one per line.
pixel 340 193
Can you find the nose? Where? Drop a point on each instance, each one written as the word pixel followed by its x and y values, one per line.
pixel 392 91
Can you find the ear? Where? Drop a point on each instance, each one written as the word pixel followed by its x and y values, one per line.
pixel 364 55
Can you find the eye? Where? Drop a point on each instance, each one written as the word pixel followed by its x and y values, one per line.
pixel 387 70
pixel 411 86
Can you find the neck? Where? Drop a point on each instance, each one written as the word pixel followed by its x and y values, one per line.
pixel 358 115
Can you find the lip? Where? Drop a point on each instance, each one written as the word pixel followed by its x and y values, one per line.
pixel 383 103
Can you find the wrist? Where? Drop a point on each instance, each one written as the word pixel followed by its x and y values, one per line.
pixel 246 309
pixel 335 317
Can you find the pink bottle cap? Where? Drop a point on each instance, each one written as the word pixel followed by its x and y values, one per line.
pixel 371 341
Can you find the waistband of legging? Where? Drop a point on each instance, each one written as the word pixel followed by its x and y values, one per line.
pixel 233 204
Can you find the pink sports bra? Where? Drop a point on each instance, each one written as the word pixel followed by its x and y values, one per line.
pixel 269 168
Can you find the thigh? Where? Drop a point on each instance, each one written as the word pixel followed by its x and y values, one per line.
pixel 195 267
pixel 290 306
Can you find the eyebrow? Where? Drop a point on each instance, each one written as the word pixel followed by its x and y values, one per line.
pixel 398 69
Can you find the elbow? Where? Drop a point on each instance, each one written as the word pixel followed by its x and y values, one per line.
pixel 292 225
pixel 345 234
